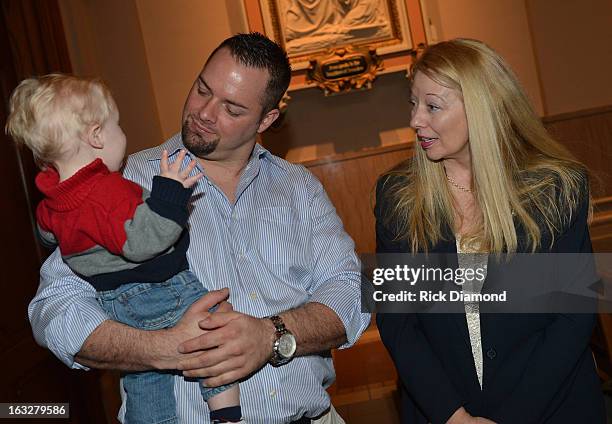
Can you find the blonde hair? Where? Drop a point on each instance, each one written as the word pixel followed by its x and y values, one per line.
pixel 518 171
pixel 50 113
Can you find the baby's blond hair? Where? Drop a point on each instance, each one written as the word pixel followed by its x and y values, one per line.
pixel 50 114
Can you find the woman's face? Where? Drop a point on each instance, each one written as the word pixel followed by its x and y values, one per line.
pixel 438 117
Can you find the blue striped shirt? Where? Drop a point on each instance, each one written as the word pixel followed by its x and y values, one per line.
pixel 280 245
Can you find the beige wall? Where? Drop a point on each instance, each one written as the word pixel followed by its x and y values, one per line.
pixel 178 37
pixel 104 40
pixel 502 24
pixel 149 52
pixel 573 41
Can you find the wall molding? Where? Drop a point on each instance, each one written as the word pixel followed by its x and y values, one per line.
pixel 583 113
pixel 602 211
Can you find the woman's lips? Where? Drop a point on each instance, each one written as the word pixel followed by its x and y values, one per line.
pixel 426 142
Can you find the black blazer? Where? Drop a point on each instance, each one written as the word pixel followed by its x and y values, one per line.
pixel 537 368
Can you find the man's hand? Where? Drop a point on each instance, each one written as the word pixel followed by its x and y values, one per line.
pixel 117 346
pixel 174 172
pixel 234 346
pixel 188 326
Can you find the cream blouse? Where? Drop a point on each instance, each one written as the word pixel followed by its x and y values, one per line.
pixel 469 259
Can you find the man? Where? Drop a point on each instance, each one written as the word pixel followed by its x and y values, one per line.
pixel 260 226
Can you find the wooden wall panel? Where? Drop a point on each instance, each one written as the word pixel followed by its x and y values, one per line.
pixel 588 135
pixel 601 236
pixel 350 183
pixel 601 226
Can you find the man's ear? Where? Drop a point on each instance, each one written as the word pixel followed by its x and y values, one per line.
pixel 267 120
pixel 94 136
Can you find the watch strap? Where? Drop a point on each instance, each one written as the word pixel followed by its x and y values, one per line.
pixel 278 324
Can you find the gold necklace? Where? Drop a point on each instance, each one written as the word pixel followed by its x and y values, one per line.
pixel 454 184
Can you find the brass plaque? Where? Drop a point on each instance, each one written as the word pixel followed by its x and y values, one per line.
pixel 344 69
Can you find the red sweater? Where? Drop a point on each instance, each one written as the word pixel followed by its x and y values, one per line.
pixel 110 230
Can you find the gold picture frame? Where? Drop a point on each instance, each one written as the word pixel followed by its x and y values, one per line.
pixel 391 28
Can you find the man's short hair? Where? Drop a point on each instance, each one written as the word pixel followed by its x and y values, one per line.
pixel 255 50
pixel 49 114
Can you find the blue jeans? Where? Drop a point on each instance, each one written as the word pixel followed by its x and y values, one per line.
pixel 153 306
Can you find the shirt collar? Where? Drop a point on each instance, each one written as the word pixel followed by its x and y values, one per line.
pixel 175 143
pixel 261 152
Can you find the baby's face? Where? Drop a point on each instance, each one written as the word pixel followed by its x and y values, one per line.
pixel 113 152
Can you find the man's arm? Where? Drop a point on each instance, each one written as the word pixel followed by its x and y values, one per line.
pixel 315 326
pixel 331 318
pixel 113 345
pixel 241 344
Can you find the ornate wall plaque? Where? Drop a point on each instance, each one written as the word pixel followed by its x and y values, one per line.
pixel 307 28
pixel 344 69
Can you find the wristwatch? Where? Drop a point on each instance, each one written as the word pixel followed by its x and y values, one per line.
pixel 284 346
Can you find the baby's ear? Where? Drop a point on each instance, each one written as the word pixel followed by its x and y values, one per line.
pixel 94 136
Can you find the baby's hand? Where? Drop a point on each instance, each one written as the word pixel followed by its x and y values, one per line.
pixel 174 172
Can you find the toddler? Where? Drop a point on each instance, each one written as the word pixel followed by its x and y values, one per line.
pixel 128 243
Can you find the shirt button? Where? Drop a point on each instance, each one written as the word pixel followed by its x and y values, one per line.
pixel 491 353
pixel 253 295
pixel 272 393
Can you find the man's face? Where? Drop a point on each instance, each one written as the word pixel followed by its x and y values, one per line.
pixel 223 112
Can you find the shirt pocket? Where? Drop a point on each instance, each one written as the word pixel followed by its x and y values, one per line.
pixel 283 237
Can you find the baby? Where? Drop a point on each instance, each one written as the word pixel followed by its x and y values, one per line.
pixel 129 244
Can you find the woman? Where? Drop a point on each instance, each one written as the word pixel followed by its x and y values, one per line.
pixel 485 178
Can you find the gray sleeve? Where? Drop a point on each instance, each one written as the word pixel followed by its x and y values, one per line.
pixel 149 234
pixel 158 222
pixel 46 237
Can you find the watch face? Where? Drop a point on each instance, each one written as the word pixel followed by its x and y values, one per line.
pixel 286 345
